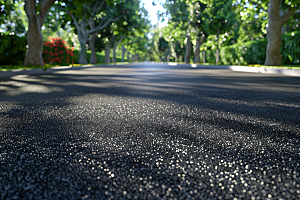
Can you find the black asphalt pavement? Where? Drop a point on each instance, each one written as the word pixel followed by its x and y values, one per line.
pixel 149 131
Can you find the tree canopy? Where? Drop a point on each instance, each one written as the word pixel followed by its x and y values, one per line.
pixel 120 26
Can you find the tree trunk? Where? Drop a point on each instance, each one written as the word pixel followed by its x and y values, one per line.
pixel 273 56
pixel 35 43
pixel 114 50
pixel 82 31
pixel 128 56
pixel 132 58
pixel 107 54
pixel 203 55
pixel 217 54
pixel 34 33
pixel 114 59
pixel 188 49
pixel 123 52
pixel 167 58
pixel 197 50
pixel 82 37
pixel 180 58
pixel 93 59
pixel 82 52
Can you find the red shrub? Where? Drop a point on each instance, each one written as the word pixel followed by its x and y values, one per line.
pixel 62 54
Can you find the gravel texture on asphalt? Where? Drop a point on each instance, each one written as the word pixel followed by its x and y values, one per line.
pixel 149 131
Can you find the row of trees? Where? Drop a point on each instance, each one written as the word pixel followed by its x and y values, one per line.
pixel 98 25
pixel 104 25
pixel 199 22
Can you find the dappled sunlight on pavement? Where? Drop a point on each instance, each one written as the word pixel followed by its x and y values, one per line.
pixel 151 131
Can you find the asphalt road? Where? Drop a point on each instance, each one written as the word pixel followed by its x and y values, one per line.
pixel 149 131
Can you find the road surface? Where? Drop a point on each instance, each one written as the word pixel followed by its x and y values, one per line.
pixel 149 131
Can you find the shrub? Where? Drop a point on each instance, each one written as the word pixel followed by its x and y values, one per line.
pixel 56 52
pixel 210 56
pixel 254 52
pixel 12 49
pixel 290 48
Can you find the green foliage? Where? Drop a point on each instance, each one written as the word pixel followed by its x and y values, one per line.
pixel 154 51
pixel 254 52
pixel 56 22
pixel 210 56
pixel 100 56
pixel 258 9
pixel 178 48
pixel 8 7
pixel 12 17
pixel 179 22
pixel 251 52
pixel 220 15
pixel 177 10
pixel 163 45
pixel 253 14
pixel 12 49
pixel 290 48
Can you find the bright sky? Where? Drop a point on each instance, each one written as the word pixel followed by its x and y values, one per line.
pixel 152 11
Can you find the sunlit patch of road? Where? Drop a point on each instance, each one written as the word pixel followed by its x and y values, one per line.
pixel 149 130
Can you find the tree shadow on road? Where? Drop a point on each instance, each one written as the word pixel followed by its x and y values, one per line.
pixel 148 125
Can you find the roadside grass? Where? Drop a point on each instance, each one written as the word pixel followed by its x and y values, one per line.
pixel 283 66
pixel 4 68
pixel 250 65
pixel 100 61
pixel 258 65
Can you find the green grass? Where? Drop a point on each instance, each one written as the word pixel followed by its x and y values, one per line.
pixel 100 61
pixel 100 56
pixel 278 67
pixel 4 68
pixel 284 66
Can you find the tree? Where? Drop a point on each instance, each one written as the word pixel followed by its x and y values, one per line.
pixel 188 49
pixel 276 21
pixel 95 21
pixel 137 27
pixel 179 13
pixel 36 17
pixel 221 16
pixel 163 46
pixel 174 34
pixel 6 7
pixel 130 44
pixel 178 48
pixel 279 12
pixel 155 35
pixel 12 16
pixel 199 27
pixel 130 24
pixel 83 14
pixel 57 23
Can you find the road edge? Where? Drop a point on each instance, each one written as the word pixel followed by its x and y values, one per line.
pixel 285 72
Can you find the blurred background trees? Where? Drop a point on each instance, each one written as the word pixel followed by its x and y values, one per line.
pixel 107 31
